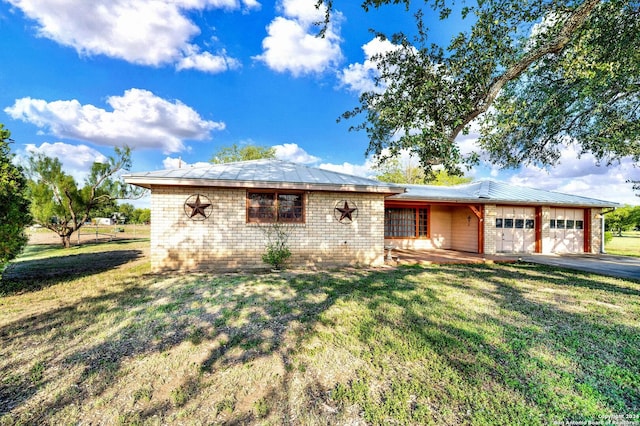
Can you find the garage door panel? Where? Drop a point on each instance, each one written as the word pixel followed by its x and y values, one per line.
pixel 515 229
pixel 566 230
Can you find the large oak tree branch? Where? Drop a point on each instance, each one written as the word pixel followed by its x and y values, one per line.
pixel 555 45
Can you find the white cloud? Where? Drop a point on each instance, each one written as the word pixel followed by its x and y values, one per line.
pixel 295 154
pixel 574 174
pixel 292 43
pixel 286 152
pixel 584 177
pixel 363 170
pixel 179 163
pixel 360 77
pixel 146 32
pixel 367 168
pixel 205 61
pixel 251 4
pixel 76 159
pixel 139 119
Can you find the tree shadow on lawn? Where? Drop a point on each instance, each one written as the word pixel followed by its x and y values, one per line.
pixel 523 361
pixel 36 274
pixel 574 362
pixel 239 320
pixel 144 320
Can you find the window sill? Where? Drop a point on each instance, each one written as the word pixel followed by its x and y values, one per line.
pixel 289 224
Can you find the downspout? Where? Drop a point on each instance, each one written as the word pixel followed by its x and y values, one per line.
pixel 602 213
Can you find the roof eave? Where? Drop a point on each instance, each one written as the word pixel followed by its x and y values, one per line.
pixel 507 202
pixel 147 182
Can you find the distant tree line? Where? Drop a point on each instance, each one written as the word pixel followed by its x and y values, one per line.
pixel 623 219
pixel 130 214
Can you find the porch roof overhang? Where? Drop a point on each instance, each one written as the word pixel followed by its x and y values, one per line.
pixel 494 192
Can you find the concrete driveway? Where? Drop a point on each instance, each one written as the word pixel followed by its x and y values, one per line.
pixel 604 264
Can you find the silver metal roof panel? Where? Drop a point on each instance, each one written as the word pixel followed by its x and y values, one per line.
pixel 490 191
pixel 262 174
pixel 275 174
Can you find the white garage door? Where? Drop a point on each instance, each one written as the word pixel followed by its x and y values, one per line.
pixel 566 231
pixel 516 229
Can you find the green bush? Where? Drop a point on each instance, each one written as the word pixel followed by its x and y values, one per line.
pixel 608 236
pixel 14 205
pixel 276 256
pixel 277 250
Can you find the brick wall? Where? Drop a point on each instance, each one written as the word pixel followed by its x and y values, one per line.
pixel 490 231
pixel 226 241
pixel 596 230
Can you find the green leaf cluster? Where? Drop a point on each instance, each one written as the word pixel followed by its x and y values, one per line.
pixel 234 153
pixel 396 171
pixel 586 95
pixel 623 219
pixel 130 214
pixel 537 75
pixel 14 205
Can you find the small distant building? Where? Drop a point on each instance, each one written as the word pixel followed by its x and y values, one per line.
pixel 213 217
pixel 105 221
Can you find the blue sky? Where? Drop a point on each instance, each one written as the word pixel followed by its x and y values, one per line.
pixel 179 79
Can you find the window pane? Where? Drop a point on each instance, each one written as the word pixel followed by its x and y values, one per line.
pixel 400 223
pixel 579 224
pixel 290 207
pixel 519 223
pixel 422 224
pixel 508 223
pixel 560 223
pixel 529 224
pixel 261 207
pixel 552 224
pixel 570 224
pixel 498 222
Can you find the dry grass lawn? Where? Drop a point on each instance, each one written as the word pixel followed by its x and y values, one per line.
pixel 89 336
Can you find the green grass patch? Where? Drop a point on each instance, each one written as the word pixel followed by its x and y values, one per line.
pixel 626 245
pixel 449 344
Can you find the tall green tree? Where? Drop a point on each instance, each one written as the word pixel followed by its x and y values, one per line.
pixel 127 212
pixel 405 172
pixel 142 216
pixel 59 204
pixel 442 178
pixel 233 153
pixel 536 74
pixel 14 205
pixel 622 219
pixel 402 172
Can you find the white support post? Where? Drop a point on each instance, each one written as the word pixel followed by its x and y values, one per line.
pixel 602 249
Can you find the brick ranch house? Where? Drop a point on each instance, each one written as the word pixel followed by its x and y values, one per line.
pixel 214 217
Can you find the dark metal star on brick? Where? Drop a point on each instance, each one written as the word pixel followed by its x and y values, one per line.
pixel 198 207
pixel 346 211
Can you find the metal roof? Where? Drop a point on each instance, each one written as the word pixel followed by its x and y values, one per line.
pixel 273 174
pixel 277 174
pixel 494 192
